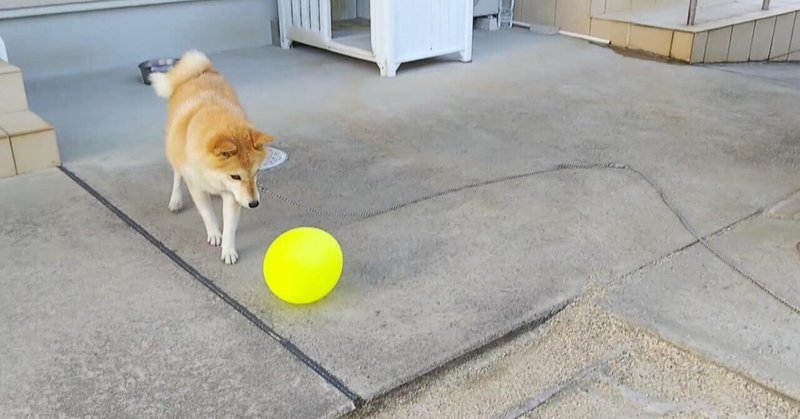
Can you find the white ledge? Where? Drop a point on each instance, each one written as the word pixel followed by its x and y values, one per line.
pixel 85 6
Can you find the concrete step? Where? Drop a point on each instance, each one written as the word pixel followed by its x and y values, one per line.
pixel 27 143
pixel 723 32
pixel 12 90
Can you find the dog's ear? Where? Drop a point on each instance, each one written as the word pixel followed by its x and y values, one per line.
pixel 224 148
pixel 260 139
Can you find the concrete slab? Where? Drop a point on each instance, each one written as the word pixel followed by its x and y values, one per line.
pixel 662 382
pixel 97 322
pixel 427 283
pixel 785 74
pixel 481 119
pixel 695 300
pixel 584 363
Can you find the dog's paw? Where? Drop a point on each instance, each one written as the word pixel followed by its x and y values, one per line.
pixel 229 256
pixel 214 238
pixel 175 204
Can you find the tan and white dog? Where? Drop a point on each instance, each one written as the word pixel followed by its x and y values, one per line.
pixel 211 145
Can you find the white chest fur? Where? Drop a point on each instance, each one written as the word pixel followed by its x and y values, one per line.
pixel 202 180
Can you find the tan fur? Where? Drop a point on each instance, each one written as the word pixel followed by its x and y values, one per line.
pixel 208 140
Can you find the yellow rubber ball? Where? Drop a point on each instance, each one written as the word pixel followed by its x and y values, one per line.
pixel 303 265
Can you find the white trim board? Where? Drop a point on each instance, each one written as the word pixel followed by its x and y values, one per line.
pixel 85 6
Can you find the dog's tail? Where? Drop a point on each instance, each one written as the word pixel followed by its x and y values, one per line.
pixel 191 64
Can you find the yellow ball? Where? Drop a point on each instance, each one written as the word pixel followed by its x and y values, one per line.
pixel 303 265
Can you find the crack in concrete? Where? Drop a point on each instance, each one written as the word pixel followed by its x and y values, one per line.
pixel 716 233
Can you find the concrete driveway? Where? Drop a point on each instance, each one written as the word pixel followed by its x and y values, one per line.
pixel 438 280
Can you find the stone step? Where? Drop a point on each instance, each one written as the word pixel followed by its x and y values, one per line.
pixel 12 89
pixel 723 32
pixel 27 143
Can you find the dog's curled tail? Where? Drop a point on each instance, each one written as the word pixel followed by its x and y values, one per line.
pixel 191 64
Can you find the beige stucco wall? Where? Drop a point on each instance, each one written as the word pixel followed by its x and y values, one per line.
pixel 74 43
pixel 575 15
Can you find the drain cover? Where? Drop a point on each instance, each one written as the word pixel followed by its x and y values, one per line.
pixel 274 159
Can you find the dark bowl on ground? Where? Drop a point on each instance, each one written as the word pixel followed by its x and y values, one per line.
pixel 161 65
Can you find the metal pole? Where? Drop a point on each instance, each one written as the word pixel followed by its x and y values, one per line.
pixel 3 52
pixel 765 5
pixel 693 12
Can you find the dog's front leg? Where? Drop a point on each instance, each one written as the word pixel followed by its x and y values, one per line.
pixel 176 200
pixel 230 221
pixel 203 203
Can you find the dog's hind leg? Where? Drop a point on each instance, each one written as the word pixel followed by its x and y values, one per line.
pixel 203 203
pixel 231 210
pixel 176 199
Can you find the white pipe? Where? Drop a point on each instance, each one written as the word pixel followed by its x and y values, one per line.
pixel 589 38
pixel 592 39
pixel 3 52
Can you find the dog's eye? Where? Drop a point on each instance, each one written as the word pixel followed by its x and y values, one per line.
pixel 236 177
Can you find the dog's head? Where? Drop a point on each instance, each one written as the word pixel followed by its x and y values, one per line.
pixel 236 156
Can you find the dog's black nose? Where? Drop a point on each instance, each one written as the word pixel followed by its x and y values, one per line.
pixel 253 204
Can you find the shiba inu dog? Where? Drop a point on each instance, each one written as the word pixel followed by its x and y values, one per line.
pixel 211 146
